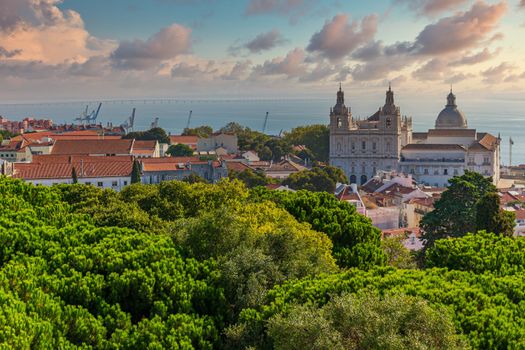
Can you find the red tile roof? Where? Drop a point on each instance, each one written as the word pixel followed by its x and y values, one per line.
pixel 93 147
pixel 186 140
pixel 237 166
pixel 60 167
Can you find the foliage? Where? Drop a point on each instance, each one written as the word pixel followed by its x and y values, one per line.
pixel 136 172
pixel 317 179
pixel 314 137
pixel 490 217
pixel 366 321
pixel 486 309
pixel 454 214
pixel 179 150
pixel 356 242
pixel 250 177
pixel 397 254
pixel 256 246
pixel 193 178
pixel 158 134
pixel 201 131
pixel 479 253
pixel 65 283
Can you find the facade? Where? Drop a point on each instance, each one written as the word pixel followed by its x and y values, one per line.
pixel 215 141
pixel 103 172
pixel 15 151
pixel 362 147
pixel 385 141
pixel 156 170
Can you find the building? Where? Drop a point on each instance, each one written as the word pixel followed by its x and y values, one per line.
pixel 188 140
pixel 156 170
pixel 217 140
pixel 15 151
pixel 146 149
pixel 104 172
pixel 362 147
pixel 350 194
pixel 385 141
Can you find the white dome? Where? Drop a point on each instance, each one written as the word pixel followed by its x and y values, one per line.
pixel 451 117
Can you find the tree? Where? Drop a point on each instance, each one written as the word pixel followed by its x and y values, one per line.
pixel 317 180
pixel 357 243
pixel 250 177
pixel 491 218
pixel 454 214
pixel 136 172
pixel 201 131
pixel 397 254
pixel 193 178
pixel 158 134
pixel 365 322
pixel 314 137
pixel 180 150
pixel 74 177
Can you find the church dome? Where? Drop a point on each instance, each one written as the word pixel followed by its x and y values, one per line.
pixel 451 117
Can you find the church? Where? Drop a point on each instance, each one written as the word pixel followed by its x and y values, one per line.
pixel 385 141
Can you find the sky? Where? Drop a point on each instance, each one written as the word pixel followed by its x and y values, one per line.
pixel 78 49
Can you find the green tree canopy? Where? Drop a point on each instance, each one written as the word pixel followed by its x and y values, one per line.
pixel 454 214
pixel 314 137
pixel 179 150
pixel 201 131
pixel 158 134
pixel 250 178
pixel 490 216
pixel 317 179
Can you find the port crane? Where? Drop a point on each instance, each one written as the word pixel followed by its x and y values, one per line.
pixel 265 123
pixel 189 120
pixel 128 124
pixel 89 118
pixel 155 123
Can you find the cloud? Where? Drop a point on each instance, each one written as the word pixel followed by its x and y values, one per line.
pixel 320 72
pixel 432 7
pixel 265 41
pixel 8 54
pixel 138 54
pixel 479 57
pixel 291 8
pixel 459 77
pixel 292 65
pixel 434 69
pixel 193 70
pixel 498 74
pixel 95 66
pixel 338 37
pixel 38 30
pixel 464 30
pixel 238 71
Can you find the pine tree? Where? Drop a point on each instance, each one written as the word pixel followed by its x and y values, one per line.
pixel 135 173
pixel 74 175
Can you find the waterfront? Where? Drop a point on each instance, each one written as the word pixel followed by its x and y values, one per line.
pixel 506 118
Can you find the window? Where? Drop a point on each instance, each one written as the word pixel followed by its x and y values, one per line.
pixel 125 183
pixel 436 172
pixel 486 161
pixel 388 122
pixel 338 147
pixel 87 183
pixel 445 172
pixel 425 171
pixel 353 146
pixel 374 146
pixel 388 146
pixel 100 184
pixel 114 183
pixel 456 172
pixel 363 145
pixel 339 124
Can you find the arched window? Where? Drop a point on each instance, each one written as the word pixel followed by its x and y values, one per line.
pixel 339 124
pixel 363 179
pixel 388 147
pixel 363 168
pixel 339 147
pixel 353 179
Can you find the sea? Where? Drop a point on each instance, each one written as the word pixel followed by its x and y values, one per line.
pixel 505 118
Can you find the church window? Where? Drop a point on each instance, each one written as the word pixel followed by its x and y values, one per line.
pixel 388 146
pixel 425 171
pixel 445 172
pixel 339 147
pixel 363 145
pixel 339 124
pixel 353 179
pixel 353 146
pixel 353 169
pixel 374 146
pixel 388 122
pixel 363 168
pixel 363 179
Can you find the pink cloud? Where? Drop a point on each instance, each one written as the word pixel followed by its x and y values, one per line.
pixel 339 37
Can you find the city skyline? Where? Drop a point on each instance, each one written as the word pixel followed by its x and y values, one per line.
pixel 52 49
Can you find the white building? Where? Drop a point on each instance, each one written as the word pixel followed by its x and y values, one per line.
pixel 217 140
pixel 385 141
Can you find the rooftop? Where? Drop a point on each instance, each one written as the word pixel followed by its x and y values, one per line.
pixel 93 147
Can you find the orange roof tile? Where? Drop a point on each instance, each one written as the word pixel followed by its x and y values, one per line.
pixel 92 147
pixel 86 167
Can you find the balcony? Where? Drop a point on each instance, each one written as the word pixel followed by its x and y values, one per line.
pixel 432 160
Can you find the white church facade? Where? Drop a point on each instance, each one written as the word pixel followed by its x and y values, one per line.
pixel 385 141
